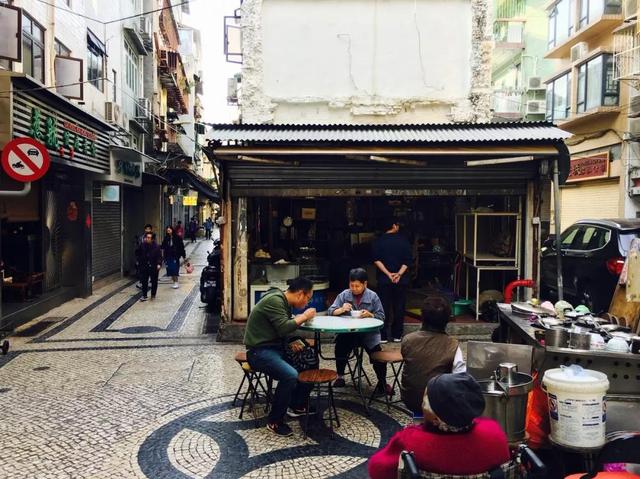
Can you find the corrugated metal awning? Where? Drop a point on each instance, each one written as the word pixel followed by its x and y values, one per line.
pixel 414 134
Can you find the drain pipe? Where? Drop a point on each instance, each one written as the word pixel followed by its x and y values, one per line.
pixel 508 291
pixel 26 189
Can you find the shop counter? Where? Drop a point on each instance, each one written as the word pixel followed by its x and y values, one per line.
pixel 318 300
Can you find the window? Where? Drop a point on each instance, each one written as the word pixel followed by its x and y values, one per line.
pixel 61 50
pixel 115 86
pixel 561 22
pixel 558 98
pixel 132 69
pixel 593 238
pixel 569 237
pixel 596 84
pixel 95 60
pixel 32 48
pixel 592 10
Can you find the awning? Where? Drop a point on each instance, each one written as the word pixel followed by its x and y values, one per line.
pixel 398 144
pixel 133 155
pixel 183 177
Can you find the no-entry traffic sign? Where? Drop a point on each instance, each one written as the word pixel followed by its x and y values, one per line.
pixel 25 159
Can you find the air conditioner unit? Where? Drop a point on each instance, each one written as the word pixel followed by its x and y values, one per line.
pixel 536 107
pixel 145 25
pixel 112 112
pixel 143 109
pixel 232 90
pixel 634 107
pixel 535 83
pixel 579 51
pixel 630 9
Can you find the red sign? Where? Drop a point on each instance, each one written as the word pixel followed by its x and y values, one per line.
pixel 80 131
pixel 589 167
pixel 25 159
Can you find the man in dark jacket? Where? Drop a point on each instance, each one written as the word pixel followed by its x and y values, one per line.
pixel 392 256
pixel 150 264
pixel 268 326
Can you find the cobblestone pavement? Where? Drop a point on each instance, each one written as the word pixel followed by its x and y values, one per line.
pixel 117 388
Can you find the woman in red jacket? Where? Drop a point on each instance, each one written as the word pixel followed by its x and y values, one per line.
pixel 453 439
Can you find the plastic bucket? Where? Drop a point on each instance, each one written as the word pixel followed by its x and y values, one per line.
pixel 461 306
pixel 577 407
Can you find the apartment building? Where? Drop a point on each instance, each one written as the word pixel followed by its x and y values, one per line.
pixel 585 98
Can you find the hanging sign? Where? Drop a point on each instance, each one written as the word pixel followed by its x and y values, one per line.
pixel 25 159
pixel 189 200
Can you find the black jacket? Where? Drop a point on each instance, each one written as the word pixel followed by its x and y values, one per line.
pixel 150 255
pixel 174 249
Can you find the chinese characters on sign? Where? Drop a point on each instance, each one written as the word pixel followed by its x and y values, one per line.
pixel 589 167
pixel 74 138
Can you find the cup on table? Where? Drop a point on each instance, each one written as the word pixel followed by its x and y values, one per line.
pixel 635 345
pixel 356 313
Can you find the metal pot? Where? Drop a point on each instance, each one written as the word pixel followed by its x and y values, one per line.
pixel 579 340
pixel 556 337
pixel 506 402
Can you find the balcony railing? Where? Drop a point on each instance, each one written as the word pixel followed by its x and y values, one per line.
pixel 173 77
pixel 507 103
pixel 626 44
pixel 509 9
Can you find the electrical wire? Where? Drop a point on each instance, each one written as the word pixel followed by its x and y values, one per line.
pixel 116 20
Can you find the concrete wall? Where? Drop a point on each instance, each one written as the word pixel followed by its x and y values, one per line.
pixel 363 61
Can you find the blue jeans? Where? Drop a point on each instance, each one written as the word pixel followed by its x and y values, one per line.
pixel 289 392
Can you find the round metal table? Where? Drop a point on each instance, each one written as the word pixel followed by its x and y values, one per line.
pixel 344 324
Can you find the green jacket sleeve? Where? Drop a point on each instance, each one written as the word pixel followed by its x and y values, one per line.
pixel 279 317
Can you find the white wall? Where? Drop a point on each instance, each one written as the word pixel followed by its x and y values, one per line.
pixel 361 61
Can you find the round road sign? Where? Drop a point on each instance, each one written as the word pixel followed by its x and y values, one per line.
pixel 25 159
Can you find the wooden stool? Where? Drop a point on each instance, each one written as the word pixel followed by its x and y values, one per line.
pixel 254 383
pixel 395 359
pixel 318 377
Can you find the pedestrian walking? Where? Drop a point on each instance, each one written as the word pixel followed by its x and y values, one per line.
pixel 173 250
pixel 150 264
pixel 392 256
pixel 179 229
pixel 193 229
pixel 208 228
pixel 148 228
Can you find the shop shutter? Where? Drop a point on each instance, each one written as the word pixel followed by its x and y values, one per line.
pixel 106 251
pixel 589 201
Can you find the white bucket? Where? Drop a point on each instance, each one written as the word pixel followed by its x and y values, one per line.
pixel 577 407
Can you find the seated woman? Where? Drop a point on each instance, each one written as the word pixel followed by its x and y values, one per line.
pixel 359 297
pixel 428 352
pixel 453 438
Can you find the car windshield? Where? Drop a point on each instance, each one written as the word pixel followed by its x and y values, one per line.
pixel 625 241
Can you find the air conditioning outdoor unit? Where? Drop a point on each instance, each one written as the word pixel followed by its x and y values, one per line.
pixel 535 83
pixel 579 51
pixel 143 108
pixel 630 9
pixel 112 112
pixel 145 25
pixel 536 107
pixel 634 107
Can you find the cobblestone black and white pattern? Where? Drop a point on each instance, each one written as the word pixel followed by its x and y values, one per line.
pixel 125 389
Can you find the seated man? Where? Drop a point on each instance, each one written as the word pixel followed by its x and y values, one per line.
pixel 267 328
pixel 453 438
pixel 359 297
pixel 428 352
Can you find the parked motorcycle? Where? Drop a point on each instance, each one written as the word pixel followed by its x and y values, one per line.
pixel 210 286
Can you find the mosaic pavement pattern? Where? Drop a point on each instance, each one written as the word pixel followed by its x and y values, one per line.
pixel 116 388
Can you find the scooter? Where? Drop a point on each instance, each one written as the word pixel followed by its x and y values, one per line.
pixel 210 286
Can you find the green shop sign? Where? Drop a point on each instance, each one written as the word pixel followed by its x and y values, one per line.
pixel 65 138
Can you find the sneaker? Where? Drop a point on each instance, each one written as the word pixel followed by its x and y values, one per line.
pixel 144 298
pixel 297 412
pixel 383 341
pixel 280 429
pixel 153 296
pixel 175 286
pixel 397 340
pixel 339 383
pixel 139 285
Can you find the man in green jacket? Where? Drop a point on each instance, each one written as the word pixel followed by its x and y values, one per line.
pixel 268 326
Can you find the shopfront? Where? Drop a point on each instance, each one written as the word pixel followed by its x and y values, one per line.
pixel 311 200
pixel 46 235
